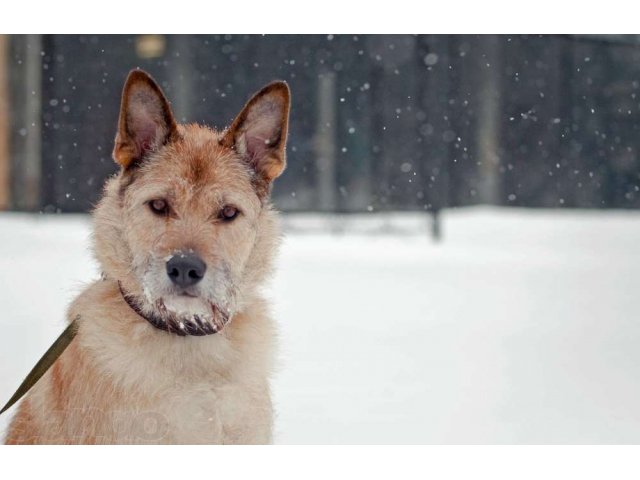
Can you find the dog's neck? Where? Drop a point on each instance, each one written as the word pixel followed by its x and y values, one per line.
pixel 197 327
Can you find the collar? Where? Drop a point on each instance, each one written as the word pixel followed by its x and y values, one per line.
pixel 195 326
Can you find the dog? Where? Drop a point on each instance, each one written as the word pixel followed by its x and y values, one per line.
pixel 175 343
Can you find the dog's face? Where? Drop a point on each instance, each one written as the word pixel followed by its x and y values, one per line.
pixel 186 226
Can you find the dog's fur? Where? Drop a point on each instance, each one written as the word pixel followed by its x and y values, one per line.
pixel 124 381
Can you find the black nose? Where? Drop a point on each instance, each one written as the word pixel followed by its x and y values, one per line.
pixel 186 269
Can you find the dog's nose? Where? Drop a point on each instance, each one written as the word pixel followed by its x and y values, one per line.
pixel 186 269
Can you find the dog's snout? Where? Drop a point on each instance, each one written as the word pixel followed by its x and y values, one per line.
pixel 186 269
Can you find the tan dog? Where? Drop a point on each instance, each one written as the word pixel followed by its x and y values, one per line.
pixel 175 344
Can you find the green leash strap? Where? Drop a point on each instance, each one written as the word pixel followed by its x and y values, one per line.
pixel 44 363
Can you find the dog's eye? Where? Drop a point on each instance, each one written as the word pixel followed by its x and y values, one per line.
pixel 228 213
pixel 159 206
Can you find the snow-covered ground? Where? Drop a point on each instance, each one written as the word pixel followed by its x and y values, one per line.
pixel 521 326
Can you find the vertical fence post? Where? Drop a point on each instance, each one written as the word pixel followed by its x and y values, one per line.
pixel 325 142
pixel 434 95
pixel 488 130
pixel 26 114
pixel 181 77
pixel 5 163
pixel 33 152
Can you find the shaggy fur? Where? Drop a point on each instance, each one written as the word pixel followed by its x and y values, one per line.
pixel 123 381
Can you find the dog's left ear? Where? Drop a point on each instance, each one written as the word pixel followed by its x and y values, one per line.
pixel 259 133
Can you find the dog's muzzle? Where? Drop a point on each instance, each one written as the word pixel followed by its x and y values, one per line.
pixel 196 325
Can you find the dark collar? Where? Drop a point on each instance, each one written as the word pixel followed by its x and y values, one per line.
pixel 195 327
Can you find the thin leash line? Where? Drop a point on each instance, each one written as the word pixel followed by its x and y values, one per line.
pixel 47 360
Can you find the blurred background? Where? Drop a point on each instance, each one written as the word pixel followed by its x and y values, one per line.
pixel 519 153
pixel 379 123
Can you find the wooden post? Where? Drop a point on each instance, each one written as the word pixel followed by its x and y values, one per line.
pixel 438 86
pixel 325 142
pixel 181 77
pixel 488 131
pixel 5 164
pixel 26 119
pixel 33 150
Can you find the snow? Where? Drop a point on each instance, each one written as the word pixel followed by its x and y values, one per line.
pixel 519 327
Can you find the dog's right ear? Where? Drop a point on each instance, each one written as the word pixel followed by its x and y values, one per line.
pixel 146 121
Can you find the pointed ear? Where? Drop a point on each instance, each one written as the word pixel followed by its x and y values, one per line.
pixel 145 123
pixel 259 133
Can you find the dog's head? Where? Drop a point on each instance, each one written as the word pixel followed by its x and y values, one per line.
pixel 186 226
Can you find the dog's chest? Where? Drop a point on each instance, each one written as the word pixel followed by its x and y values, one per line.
pixel 193 414
pixel 156 388
pixel 198 413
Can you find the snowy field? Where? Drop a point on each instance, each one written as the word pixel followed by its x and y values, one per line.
pixel 521 326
